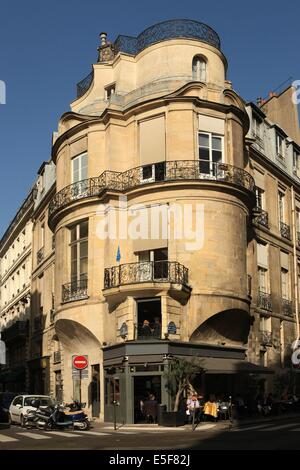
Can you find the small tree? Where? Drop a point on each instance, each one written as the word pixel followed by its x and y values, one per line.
pixel 179 376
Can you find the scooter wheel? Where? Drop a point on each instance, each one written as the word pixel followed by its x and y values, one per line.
pixel 84 426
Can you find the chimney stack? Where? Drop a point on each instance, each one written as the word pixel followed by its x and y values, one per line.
pixel 103 37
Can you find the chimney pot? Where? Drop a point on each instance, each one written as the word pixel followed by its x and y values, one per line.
pixel 103 37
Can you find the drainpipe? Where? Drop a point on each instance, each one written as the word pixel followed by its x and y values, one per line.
pixel 296 292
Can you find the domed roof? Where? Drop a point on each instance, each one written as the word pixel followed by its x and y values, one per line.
pixel 170 29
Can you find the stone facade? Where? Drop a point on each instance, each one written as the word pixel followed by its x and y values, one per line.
pixel 158 124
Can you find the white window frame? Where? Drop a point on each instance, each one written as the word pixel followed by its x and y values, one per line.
pixel 199 68
pixel 77 242
pixel 257 128
pixel 210 161
pixel 260 195
pixel 265 288
pixel 285 292
pixel 296 162
pixel 265 324
pixel 281 200
pixel 79 158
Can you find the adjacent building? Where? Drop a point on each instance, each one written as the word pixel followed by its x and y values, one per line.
pixel 15 305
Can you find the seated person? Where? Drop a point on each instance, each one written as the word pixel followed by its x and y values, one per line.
pixel 210 408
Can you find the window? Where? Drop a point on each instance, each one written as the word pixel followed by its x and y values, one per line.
pixel 42 235
pixel 279 145
pixel 296 162
pixel 154 264
pixel 257 125
pixel 281 196
pixel 154 172
pixel 210 152
pixel 80 168
pixel 285 294
pixel 199 68
pixel 79 251
pixel 265 323
pixel 110 90
pixel 298 222
pixel 262 279
pixel 259 197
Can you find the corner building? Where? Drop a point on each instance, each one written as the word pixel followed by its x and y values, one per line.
pixel 155 121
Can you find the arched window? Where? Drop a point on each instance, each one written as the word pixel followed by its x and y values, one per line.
pixel 199 68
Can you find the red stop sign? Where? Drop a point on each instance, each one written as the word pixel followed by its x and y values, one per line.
pixel 80 362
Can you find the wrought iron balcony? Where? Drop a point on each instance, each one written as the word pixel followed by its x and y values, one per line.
pixel 56 357
pixel 84 84
pixel 287 307
pixel 14 330
pixel 149 271
pixel 285 230
pixel 170 29
pixel 264 301
pixel 40 255
pixel 266 338
pixel 262 218
pixel 80 190
pixel 75 290
pixel 167 171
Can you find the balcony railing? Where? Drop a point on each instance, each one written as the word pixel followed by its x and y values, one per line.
pixel 56 357
pixel 287 307
pixel 84 84
pixel 149 271
pixel 74 192
pixel 285 230
pixel 40 255
pixel 180 170
pixel 14 330
pixel 266 338
pixel 264 301
pixel 262 218
pixel 75 290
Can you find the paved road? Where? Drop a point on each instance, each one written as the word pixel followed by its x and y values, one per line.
pixel 271 435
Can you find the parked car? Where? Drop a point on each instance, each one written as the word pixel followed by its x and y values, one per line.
pixel 22 404
pixel 5 400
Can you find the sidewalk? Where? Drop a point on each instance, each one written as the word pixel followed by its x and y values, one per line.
pixel 207 425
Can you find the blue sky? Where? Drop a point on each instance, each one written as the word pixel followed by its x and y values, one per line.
pixel 46 47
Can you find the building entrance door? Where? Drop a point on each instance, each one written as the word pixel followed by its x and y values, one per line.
pixel 144 386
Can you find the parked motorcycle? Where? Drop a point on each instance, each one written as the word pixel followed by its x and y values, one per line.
pixel 55 417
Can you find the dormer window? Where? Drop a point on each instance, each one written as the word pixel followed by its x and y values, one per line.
pixel 279 145
pixel 257 128
pixel 296 162
pixel 109 91
pixel 199 68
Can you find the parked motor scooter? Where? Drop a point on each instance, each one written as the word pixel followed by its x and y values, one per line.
pixel 55 417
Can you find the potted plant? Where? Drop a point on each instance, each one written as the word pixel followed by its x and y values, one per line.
pixel 178 377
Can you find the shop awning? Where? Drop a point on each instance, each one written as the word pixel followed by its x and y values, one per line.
pixel 216 365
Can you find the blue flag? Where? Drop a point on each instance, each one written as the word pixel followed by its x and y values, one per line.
pixel 118 257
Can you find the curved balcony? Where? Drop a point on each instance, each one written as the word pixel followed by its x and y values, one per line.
pixel 170 29
pixel 171 272
pixel 161 172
